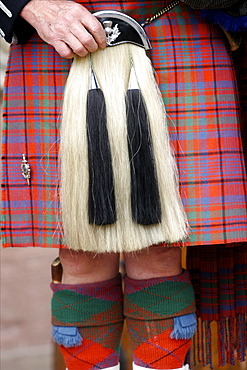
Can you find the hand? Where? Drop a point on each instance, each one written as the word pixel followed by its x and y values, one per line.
pixel 69 27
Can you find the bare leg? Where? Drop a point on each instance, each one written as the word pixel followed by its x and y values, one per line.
pixel 153 262
pixel 84 267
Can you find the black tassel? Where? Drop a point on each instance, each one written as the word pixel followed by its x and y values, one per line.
pixel 101 199
pixel 145 200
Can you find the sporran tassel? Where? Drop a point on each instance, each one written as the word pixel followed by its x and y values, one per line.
pixel 145 200
pixel 101 197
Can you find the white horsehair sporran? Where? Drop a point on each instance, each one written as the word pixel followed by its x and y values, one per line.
pixel 119 185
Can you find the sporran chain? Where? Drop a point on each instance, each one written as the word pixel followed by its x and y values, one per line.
pixel 164 10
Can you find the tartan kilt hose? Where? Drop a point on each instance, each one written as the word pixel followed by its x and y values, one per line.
pixel 197 81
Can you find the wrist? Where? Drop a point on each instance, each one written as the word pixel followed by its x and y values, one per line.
pixel 35 10
pixel 27 11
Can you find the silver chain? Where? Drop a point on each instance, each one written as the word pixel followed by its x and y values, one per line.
pixel 161 12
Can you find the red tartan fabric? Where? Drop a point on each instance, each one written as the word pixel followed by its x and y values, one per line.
pixel 197 81
pixel 219 277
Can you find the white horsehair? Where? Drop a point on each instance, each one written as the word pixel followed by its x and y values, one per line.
pixel 112 67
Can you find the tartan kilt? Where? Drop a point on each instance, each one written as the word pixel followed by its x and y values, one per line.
pixel 197 81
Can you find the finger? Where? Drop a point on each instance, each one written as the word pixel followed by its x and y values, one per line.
pixel 63 50
pixel 84 20
pixel 82 40
pixel 95 29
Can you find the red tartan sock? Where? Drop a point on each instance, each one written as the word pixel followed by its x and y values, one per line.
pixel 96 311
pixel 150 307
pixel 99 348
pixel 153 347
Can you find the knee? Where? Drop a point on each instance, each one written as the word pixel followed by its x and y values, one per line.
pixel 154 262
pixel 85 267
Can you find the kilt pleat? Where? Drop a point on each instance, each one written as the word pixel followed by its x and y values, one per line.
pixel 196 78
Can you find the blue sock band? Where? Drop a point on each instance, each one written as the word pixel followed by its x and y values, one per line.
pixel 66 336
pixel 184 326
